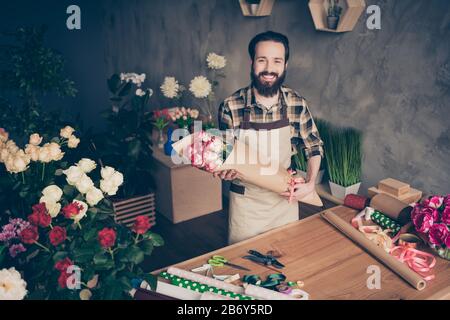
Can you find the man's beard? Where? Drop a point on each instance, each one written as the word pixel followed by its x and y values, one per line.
pixel 264 88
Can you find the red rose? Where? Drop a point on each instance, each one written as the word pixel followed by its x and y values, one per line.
pixel 72 209
pixel 107 237
pixel 40 216
pixel 62 280
pixel 446 215
pixel 29 235
pixel 141 225
pixel 40 208
pixel 57 235
pixel 63 264
pixel 438 234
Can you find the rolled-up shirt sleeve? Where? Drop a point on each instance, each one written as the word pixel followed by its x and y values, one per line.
pixel 309 135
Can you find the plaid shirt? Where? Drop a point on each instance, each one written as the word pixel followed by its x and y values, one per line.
pixel 303 128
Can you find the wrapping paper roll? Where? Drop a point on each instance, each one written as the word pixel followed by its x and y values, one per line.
pixel 213 296
pixel 253 168
pixel 176 292
pixel 389 261
pixel 205 280
pixel 266 294
pixel 392 207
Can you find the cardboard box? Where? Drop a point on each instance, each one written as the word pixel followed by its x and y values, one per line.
pixel 184 192
pixel 413 195
pixel 394 187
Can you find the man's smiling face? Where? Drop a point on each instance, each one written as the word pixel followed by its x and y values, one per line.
pixel 268 68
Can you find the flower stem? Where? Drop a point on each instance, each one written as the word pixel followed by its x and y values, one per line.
pixel 136 239
pixel 23 178
pixel 43 171
pixel 111 253
pixel 42 246
pixel 78 224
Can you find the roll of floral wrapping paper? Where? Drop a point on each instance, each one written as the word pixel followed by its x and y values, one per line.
pixel 385 222
pixel 205 280
pixel 201 288
pixel 266 294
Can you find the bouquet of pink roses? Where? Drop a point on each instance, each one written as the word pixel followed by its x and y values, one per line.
pixel 431 219
pixel 210 152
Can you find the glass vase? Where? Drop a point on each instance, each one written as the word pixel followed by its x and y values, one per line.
pixel 160 141
pixel 443 252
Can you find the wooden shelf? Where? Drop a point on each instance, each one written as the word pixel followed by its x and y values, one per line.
pixel 264 8
pixel 352 10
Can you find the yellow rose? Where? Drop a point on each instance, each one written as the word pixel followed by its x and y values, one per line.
pixel 35 139
pixel 66 132
pixel 73 142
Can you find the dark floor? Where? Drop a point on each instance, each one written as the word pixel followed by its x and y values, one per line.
pixel 198 236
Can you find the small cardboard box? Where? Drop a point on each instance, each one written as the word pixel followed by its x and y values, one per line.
pixel 413 195
pixel 393 187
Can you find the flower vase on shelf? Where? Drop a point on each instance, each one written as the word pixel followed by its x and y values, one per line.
pixel 168 145
pixel 160 141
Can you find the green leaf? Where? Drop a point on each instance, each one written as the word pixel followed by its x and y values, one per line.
pixel 59 172
pixel 157 240
pixel 151 280
pixel 69 191
pixel 147 247
pixel 59 256
pixel 100 258
pixel 135 255
pixel 90 234
pixel 125 90
pixel 134 148
pixel 113 83
pixel 83 254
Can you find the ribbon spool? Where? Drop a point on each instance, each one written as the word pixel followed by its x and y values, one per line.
pixel 356 201
pixel 409 240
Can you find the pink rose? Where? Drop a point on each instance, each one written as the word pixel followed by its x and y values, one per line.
pixel 446 215
pixel 434 202
pixel 438 233
pixel 423 222
pixel 447 201
pixel 447 241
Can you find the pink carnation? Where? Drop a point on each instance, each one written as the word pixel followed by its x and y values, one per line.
pixel 423 222
pixel 434 202
pixel 445 218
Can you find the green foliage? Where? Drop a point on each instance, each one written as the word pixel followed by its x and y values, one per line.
pixel 343 150
pixel 127 143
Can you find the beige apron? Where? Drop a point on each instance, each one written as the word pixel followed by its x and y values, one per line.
pixel 254 210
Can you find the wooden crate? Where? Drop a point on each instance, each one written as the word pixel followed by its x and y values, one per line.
pixel 127 210
pixel 184 192
pixel 352 10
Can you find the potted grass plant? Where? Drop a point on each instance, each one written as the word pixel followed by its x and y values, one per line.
pixel 334 13
pixel 343 149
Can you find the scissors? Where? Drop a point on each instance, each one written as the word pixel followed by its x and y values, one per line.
pixel 219 261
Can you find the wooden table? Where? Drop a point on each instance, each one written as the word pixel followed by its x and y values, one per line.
pixel 330 264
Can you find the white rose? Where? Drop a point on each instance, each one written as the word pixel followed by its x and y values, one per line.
pixel 94 196
pixel 84 184
pixel 45 154
pixel 140 92
pixel 12 286
pixel 108 187
pixel 73 175
pixel 82 213
pixel 55 151
pixel 117 178
pixel 32 151
pixel 35 139
pixel 66 132
pixel 52 192
pixel 53 208
pixel 73 142
pixel 86 165
pixel 107 172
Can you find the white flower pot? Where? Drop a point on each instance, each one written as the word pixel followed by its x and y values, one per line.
pixel 318 178
pixel 340 192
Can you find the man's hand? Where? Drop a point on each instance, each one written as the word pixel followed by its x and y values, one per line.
pixel 226 174
pixel 301 189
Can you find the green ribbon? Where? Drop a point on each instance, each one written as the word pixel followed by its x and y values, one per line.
pixel 200 287
pixel 271 282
